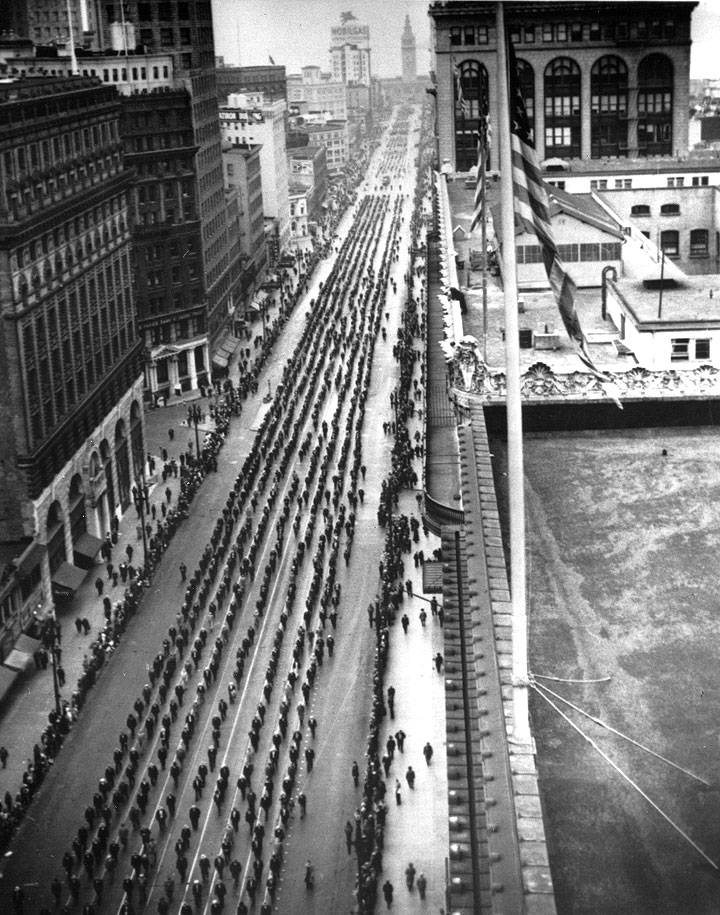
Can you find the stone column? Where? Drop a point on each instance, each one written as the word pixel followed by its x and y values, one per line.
pixel 585 113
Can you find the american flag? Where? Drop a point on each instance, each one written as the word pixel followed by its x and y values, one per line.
pixel 532 208
pixel 462 102
pixel 483 147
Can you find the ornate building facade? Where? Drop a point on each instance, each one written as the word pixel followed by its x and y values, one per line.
pixel 70 359
pixel 615 84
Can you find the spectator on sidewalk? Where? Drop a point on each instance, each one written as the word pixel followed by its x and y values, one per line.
pixel 421 885
pixel 388 893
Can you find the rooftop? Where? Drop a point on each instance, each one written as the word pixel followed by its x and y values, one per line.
pixel 699 161
pixel 685 299
pixel 694 299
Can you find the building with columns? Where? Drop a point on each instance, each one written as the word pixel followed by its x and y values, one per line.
pixel 408 52
pixel 597 83
pixel 70 357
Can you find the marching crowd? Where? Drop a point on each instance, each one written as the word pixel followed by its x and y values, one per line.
pixel 128 813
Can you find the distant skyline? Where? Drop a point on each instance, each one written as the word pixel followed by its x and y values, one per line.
pixel 296 33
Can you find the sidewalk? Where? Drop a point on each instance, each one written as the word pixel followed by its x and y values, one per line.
pixel 417 830
pixel 24 711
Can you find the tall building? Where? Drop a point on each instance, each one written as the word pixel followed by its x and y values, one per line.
pixel 70 359
pixel 243 173
pixel 48 22
pixel 249 119
pixel 408 52
pixel 181 158
pixel 350 51
pixel 597 81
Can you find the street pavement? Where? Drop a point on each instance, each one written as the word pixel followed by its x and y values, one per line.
pixel 416 830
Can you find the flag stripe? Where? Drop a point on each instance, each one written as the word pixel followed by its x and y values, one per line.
pixel 533 209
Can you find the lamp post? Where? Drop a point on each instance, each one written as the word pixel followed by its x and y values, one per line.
pixel 194 416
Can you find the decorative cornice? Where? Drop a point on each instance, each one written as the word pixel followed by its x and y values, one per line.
pixel 471 379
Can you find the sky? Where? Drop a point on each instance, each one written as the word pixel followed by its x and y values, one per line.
pixel 296 33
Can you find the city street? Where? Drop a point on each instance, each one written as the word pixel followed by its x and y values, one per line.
pixel 283 623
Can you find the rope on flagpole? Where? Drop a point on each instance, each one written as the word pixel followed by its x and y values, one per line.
pixel 627 778
pixel 613 730
pixel 570 680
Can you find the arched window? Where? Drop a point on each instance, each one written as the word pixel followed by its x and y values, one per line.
pixel 655 105
pixel 471 103
pixel 526 81
pixel 562 108
pixel 55 534
pixel 670 209
pixel 76 503
pixel 106 460
pixel 122 463
pixel 608 105
pixel 670 242
pixel 699 242
pixel 640 209
pixel 136 439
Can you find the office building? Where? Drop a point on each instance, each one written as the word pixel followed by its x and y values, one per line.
pixel 323 95
pixel 70 357
pixel 47 22
pixel 243 173
pixel 248 119
pixel 270 80
pixel 350 51
pixel 596 82
pixel 173 322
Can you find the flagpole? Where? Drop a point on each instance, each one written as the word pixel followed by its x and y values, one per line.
pixel 521 720
pixel 483 243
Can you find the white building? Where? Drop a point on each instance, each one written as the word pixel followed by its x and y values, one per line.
pixel 248 119
pixel 350 51
pixel 322 94
pixel 299 199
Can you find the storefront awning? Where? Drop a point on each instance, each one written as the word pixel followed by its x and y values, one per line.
pixel 27 644
pixel 66 580
pixel 225 351
pixel 85 549
pixel 31 558
pixel 18 660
